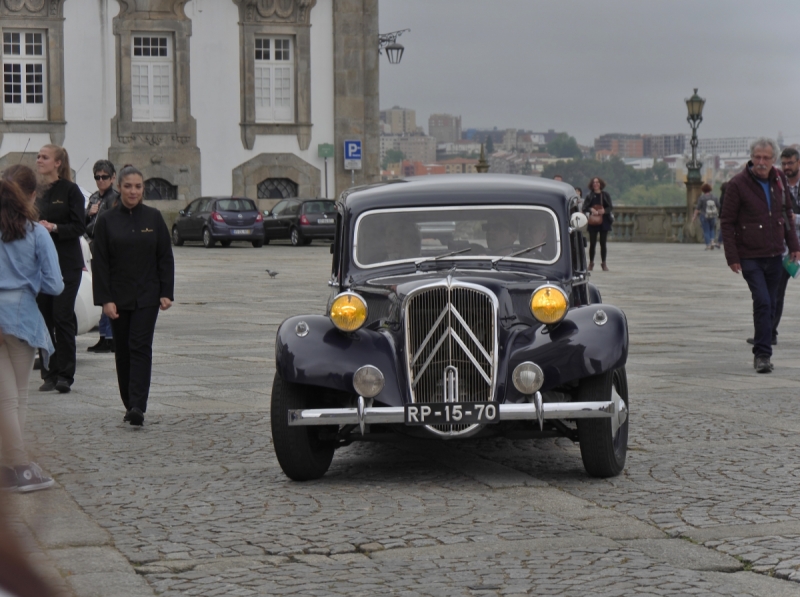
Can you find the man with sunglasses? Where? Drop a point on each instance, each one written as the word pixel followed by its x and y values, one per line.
pixel 104 198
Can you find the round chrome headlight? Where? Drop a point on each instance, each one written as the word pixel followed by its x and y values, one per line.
pixel 549 304
pixel 368 381
pixel 528 377
pixel 348 312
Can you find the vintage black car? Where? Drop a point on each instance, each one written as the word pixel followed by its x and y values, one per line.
pixel 496 332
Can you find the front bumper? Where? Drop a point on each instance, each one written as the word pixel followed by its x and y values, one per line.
pixel 536 410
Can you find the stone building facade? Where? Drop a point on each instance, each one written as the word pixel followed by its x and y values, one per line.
pixel 206 97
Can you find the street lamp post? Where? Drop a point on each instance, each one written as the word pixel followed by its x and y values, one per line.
pixel 694 180
pixel 388 41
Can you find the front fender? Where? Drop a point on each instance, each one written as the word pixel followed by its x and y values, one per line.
pixel 575 348
pixel 327 357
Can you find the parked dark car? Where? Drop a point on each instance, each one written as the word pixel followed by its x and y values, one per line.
pixel 496 332
pixel 223 219
pixel 301 221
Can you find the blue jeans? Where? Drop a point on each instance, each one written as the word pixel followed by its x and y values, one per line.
pixel 709 227
pixel 763 276
pixel 105 327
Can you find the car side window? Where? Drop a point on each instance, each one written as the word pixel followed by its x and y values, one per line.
pixel 192 207
pixel 293 208
pixel 205 205
pixel 278 209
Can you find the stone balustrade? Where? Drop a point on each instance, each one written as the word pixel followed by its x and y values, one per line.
pixel 654 224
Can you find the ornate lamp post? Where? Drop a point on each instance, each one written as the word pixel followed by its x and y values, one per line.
pixel 694 181
pixel 388 41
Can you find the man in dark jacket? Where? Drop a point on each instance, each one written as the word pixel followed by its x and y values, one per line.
pixel 103 199
pixel 756 222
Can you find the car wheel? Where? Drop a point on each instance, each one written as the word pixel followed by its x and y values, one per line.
pixel 603 451
pixel 225 243
pixel 258 244
pixel 297 238
pixel 208 241
pixel 303 456
pixel 307 241
pixel 177 239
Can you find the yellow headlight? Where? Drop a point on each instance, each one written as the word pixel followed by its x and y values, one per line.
pixel 348 312
pixel 549 304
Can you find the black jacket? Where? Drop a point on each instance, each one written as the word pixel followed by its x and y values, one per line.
pixel 106 202
pixel 132 265
pixel 594 200
pixel 62 205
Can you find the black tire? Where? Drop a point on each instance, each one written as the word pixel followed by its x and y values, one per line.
pixel 177 239
pixel 258 244
pixel 296 237
pixel 307 241
pixel 266 241
pixel 300 452
pixel 208 240
pixel 603 454
pixel 225 243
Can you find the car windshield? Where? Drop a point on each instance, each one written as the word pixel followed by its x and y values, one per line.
pixel 319 207
pixel 480 232
pixel 236 205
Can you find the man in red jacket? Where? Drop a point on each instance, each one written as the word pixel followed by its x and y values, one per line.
pixel 756 222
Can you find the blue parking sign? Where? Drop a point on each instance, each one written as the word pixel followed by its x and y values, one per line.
pixel 352 154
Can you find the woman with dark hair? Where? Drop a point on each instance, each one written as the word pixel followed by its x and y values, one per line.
pixel 61 209
pixel 28 266
pixel 24 178
pixel 708 208
pixel 597 207
pixel 134 277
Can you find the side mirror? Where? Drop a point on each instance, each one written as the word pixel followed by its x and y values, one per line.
pixel 579 221
pixel 181 213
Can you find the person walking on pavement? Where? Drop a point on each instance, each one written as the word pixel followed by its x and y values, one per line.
pixel 756 223
pixel 597 207
pixel 28 266
pixel 134 277
pixel 103 199
pixel 61 210
pixel 707 208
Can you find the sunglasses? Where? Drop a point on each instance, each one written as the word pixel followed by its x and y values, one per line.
pixel 101 177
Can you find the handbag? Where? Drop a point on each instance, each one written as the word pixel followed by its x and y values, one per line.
pixel 596 216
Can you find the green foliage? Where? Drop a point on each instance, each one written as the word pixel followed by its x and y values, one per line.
pixel 489 145
pixel 564 146
pixel 619 178
pixel 392 157
pixel 661 195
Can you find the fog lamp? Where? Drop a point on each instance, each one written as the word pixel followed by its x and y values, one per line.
pixel 348 312
pixel 368 381
pixel 528 377
pixel 549 304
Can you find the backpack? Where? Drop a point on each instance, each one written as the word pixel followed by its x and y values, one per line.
pixel 711 209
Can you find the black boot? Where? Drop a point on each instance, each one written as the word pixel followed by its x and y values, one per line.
pixel 97 347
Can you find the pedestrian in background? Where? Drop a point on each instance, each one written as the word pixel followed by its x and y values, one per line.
pixel 722 188
pixel 134 277
pixel 28 267
pixel 597 207
pixel 103 199
pixel 756 223
pixel 60 205
pixel 707 207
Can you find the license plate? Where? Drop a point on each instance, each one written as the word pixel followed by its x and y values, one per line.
pixel 451 413
pixel 325 221
pixel 248 231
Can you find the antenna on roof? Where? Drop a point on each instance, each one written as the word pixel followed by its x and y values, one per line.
pixel 82 165
pixel 23 152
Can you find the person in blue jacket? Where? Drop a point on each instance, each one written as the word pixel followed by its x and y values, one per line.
pixel 28 266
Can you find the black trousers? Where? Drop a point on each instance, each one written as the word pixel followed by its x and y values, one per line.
pixel 593 244
pixel 59 317
pixel 776 319
pixel 133 333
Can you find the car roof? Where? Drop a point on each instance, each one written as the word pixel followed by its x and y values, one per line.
pixel 459 189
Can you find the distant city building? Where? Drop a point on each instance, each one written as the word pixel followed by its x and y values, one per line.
pixel 445 127
pixel 510 140
pixel 730 146
pixel 459 147
pixel 619 144
pixel 415 148
pixel 659 146
pixel 459 166
pixel 401 121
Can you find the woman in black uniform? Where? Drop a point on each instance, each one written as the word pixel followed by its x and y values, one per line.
pixel 60 204
pixel 134 277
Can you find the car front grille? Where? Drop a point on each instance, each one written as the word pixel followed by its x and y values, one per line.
pixel 451 326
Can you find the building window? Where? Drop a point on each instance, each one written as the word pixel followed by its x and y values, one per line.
pixel 151 78
pixel 24 66
pixel 158 188
pixel 274 79
pixel 277 188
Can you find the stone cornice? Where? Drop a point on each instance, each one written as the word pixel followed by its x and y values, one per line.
pixel 296 12
pixel 151 9
pixel 32 8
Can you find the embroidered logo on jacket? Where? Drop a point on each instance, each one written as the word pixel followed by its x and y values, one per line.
pixel 147 230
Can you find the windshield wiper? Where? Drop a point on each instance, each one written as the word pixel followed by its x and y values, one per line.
pixel 499 259
pixel 450 254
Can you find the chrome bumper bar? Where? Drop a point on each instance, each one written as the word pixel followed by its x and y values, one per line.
pixel 363 415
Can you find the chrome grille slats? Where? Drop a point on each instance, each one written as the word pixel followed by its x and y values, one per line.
pixel 451 324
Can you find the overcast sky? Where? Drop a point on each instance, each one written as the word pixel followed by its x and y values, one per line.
pixel 598 66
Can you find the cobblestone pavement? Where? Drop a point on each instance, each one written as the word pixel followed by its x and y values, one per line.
pixel 194 503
